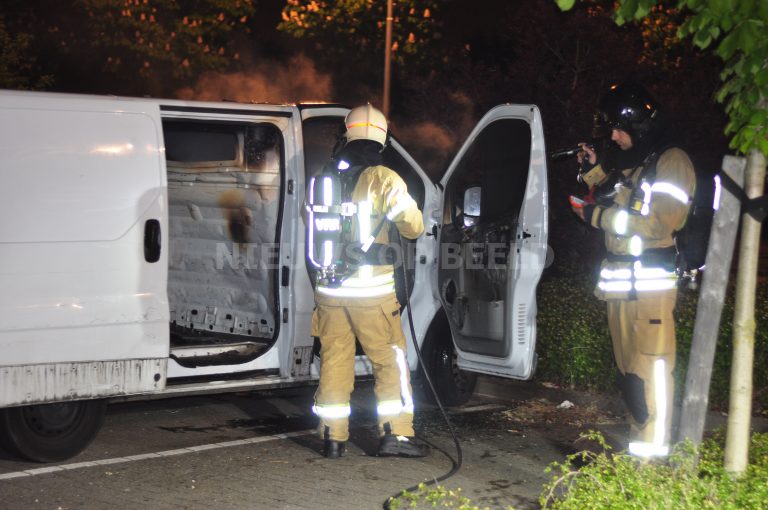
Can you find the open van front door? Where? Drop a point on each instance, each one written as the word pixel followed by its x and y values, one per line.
pixel 493 242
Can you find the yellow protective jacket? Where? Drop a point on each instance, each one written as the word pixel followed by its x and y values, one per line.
pixel 640 225
pixel 379 193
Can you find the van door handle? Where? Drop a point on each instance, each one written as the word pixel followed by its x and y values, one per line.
pixel 152 240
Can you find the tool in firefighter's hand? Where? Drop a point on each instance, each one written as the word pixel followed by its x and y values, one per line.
pixel 570 151
pixel 576 202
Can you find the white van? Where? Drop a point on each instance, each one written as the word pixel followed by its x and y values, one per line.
pixel 153 248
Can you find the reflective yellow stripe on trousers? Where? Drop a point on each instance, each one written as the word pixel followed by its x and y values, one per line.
pixel 659 446
pixel 332 411
pixel 405 404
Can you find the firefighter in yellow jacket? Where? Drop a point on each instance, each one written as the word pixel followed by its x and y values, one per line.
pixel 364 305
pixel 648 201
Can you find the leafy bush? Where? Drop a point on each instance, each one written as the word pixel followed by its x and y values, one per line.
pixel 685 315
pixel 573 342
pixel 575 350
pixel 432 497
pixel 609 480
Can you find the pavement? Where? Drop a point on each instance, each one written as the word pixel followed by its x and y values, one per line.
pixel 258 451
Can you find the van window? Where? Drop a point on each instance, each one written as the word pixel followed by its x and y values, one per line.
pixel 187 142
pixel 498 161
pixel 222 147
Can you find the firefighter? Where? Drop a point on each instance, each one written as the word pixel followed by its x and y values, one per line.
pixel 365 306
pixel 648 202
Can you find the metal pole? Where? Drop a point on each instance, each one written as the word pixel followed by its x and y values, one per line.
pixel 387 59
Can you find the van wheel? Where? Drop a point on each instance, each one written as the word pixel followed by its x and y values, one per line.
pixel 51 432
pixel 454 386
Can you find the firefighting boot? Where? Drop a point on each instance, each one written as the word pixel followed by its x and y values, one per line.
pixel 333 449
pixel 400 446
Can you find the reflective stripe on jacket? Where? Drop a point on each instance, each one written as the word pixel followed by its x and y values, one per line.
pixel 662 208
pixel 380 194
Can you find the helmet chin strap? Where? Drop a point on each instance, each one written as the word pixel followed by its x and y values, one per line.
pixel 386 141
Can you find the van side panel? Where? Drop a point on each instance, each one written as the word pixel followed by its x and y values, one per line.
pixel 82 312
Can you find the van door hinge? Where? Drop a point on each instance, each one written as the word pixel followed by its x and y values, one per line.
pixel 290 186
pixel 285 316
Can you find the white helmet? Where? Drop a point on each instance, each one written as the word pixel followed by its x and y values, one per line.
pixel 366 123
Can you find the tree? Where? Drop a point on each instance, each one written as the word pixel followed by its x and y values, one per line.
pixel 736 28
pixel 152 38
pixel 17 65
pixel 362 23
pixel 348 38
pixel 134 47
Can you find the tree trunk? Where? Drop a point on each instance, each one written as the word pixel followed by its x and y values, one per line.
pixel 710 306
pixel 740 409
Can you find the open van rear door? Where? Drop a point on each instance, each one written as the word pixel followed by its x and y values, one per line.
pixel 493 242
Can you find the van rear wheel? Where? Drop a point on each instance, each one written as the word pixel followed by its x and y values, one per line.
pixel 51 432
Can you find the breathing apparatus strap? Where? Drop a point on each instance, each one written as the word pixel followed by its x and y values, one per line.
pixel 378 254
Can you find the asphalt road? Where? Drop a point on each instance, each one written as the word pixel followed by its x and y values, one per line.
pixel 254 451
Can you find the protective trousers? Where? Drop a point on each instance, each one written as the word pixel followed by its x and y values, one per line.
pixel 376 324
pixel 643 334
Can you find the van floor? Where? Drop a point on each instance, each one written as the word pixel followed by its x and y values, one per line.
pixel 216 349
pixel 188 338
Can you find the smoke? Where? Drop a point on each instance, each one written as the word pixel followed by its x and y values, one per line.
pixel 429 134
pixel 269 82
pixel 433 142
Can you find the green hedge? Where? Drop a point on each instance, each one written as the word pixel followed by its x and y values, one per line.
pixel 574 345
pixel 605 480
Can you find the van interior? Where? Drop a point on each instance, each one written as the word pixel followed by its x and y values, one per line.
pixel 224 189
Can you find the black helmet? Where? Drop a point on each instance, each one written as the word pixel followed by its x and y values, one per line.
pixel 628 107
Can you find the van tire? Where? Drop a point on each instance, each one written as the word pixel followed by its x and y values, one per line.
pixel 454 386
pixel 51 432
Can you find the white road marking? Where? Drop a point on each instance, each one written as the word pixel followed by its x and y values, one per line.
pixel 477 394
pixel 477 408
pixel 199 448
pixel 154 455
pixel 494 397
